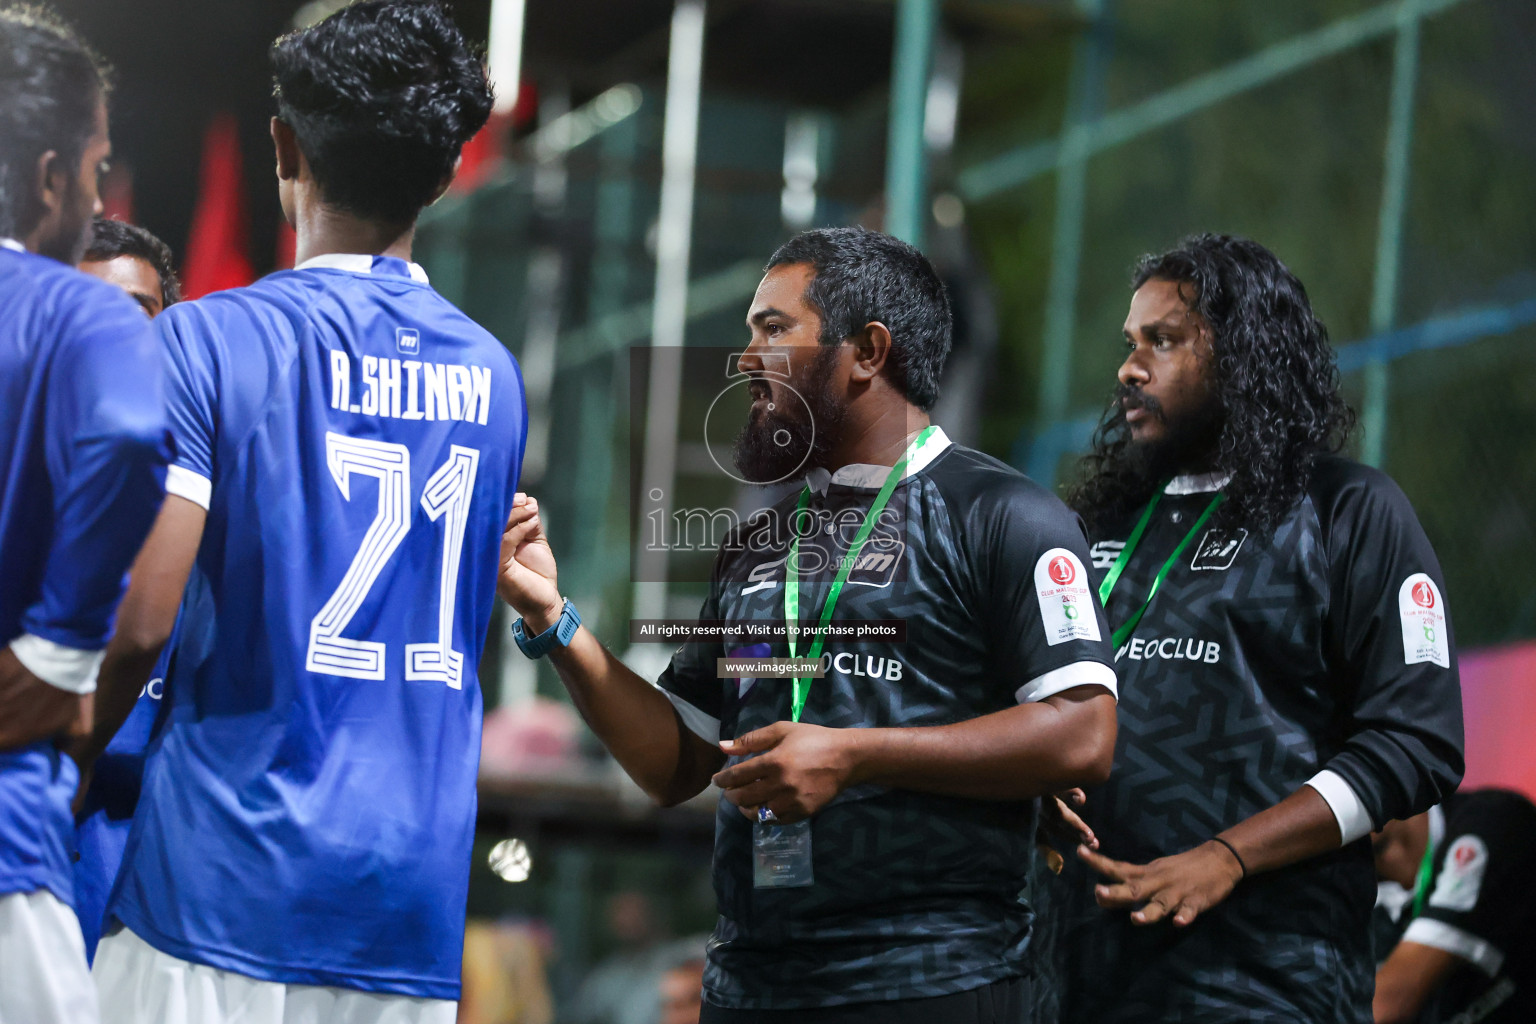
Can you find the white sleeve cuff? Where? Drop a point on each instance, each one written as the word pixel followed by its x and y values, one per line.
pixel 698 723
pixel 1079 673
pixel 68 668
pixel 1481 953
pixel 189 484
pixel 1354 820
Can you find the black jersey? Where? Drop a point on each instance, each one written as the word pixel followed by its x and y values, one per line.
pixel 915 894
pixel 1481 906
pixel 1259 663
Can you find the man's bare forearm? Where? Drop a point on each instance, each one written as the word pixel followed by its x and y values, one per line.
pixel 635 721
pixel 1016 754
pixel 1299 827
pixel 144 620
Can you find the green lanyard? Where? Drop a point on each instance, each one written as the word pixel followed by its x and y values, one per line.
pixel 1115 570
pixel 1421 884
pixel 792 572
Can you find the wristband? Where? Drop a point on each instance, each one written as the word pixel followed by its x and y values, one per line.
pixel 1235 855
pixel 559 634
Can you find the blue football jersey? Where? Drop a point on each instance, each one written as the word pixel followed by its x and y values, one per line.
pixel 82 456
pixel 308 803
pixel 106 814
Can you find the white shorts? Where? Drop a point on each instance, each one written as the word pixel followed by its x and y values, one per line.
pixel 141 985
pixel 42 958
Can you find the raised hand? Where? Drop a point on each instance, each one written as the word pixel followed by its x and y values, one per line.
pixel 527 578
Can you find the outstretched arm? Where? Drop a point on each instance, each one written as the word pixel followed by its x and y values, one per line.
pixel 634 719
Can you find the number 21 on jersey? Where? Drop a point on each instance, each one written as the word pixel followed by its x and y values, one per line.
pixel 446 497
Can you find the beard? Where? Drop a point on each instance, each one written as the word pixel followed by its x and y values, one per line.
pixel 1190 442
pixel 774 443
pixel 72 233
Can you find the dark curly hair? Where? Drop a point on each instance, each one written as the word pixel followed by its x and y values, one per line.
pixel 863 276
pixel 382 96
pixel 1275 380
pixel 50 83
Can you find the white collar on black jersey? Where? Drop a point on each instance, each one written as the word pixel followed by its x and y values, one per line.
pixel 357 263
pixel 1197 483
pixel 11 243
pixel 863 474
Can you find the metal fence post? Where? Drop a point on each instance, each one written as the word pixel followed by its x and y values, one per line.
pixel 1084 97
pixel 1389 231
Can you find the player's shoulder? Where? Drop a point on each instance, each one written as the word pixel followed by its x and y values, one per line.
pixel 1501 806
pixel 1343 491
pixel 67 293
pixel 975 483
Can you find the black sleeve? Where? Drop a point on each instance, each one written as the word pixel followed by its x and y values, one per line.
pixel 1390 645
pixel 691 681
pixel 1485 882
pixel 1029 555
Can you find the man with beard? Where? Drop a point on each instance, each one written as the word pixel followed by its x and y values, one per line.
pixel 82 451
pixel 876 821
pixel 1286 665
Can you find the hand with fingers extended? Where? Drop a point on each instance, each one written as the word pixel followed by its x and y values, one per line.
pixel 1060 824
pixel 1180 887
pixel 527 579
pixel 793 769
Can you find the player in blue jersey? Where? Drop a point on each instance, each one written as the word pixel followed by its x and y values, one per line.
pixel 82 450
pixel 348 449
pixel 141 265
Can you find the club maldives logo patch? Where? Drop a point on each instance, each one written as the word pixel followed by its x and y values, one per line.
pixel 1066 607
pixel 1422 610
pixel 1461 875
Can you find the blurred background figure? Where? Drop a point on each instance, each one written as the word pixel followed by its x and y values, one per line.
pixel 682 992
pixel 504 974
pixel 1459 884
pixel 622 988
pixel 136 261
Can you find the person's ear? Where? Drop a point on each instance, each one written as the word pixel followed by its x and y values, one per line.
pixel 286 145
pixel 871 349
pixel 53 180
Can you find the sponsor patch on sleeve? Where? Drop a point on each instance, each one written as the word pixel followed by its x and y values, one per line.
pixel 1066 607
pixel 1461 877
pixel 1423 613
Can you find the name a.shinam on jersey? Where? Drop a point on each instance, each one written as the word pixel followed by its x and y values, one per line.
pixel 412 389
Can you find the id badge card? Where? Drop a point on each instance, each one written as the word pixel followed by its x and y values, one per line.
pixel 781 855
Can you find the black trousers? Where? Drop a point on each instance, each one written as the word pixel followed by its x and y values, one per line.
pixel 1002 1002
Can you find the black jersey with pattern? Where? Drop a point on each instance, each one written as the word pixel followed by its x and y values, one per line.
pixel 1260 662
pixel 1481 908
pixel 915 894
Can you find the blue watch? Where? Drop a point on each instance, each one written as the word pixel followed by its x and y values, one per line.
pixel 560 633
